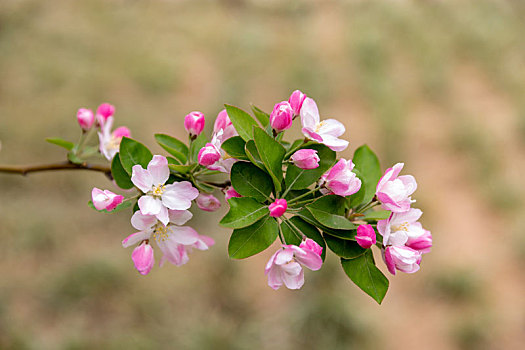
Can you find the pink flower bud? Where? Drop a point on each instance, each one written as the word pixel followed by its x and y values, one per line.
pixel 143 258
pixel 310 244
pixel 366 236
pixel 208 155
pixel 230 192
pixel 340 179
pixel 278 208
pixel 194 123
pixel 296 101
pixel 105 199
pixel 422 243
pixel 281 116
pixel 121 132
pixel 402 258
pixel 305 159
pixel 208 202
pixel 85 118
pixel 224 123
pixel 104 111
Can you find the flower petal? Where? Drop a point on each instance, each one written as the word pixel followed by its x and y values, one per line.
pixel 178 196
pixel 331 127
pixel 135 238
pixel 179 217
pixel 143 222
pixel 141 178
pixel 158 169
pixel 149 205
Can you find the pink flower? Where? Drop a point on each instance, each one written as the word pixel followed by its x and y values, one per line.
pixel 159 197
pixel 104 111
pixel 105 199
pixel 422 243
pixel 285 266
pixel 278 208
pixel 194 123
pixel 143 258
pixel 224 123
pixel 85 118
pixel 208 202
pixel 110 141
pixel 174 241
pixel 296 101
pixel 305 159
pixel 224 162
pixel 326 132
pixel 366 236
pixel 394 191
pixel 209 154
pixel 340 179
pixel 282 116
pixel 230 192
pixel 400 227
pixel 404 259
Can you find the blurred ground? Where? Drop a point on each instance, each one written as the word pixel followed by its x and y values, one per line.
pixel 439 85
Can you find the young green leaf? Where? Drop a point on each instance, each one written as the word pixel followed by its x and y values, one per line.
pixel 367 164
pixel 196 146
pixel 182 169
pixel 120 175
pixel 132 153
pixel 376 215
pixel 344 248
pixel 243 212
pixel 60 142
pixel 328 210
pixel 271 153
pixel 364 273
pixel 295 228
pixel 250 181
pixel 242 121
pixel 262 117
pixel 253 154
pixel 297 178
pixel 253 239
pixel 234 146
pixel 173 146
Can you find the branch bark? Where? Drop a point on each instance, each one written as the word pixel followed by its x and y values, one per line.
pixel 24 170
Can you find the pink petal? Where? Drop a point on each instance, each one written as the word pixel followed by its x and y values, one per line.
pixel 143 258
pixel 178 196
pixel 158 169
pixel 143 222
pixel 141 178
pixel 163 215
pixel 334 143
pixel 149 205
pixel 183 235
pixel 179 217
pixel 309 114
pixel 135 238
pixel 331 127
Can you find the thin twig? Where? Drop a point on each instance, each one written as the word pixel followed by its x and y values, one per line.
pixel 24 170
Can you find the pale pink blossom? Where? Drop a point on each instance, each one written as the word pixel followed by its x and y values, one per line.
pixel 208 202
pixel 366 236
pixel 296 101
pixel 110 141
pixel 286 265
pixel 224 123
pixel 305 159
pixel 104 111
pixel 175 241
pixel 143 258
pixel 393 191
pixel 422 243
pixel 326 132
pixel 159 197
pixel 229 192
pixel 282 116
pixel 85 118
pixel 278 208
pixel 105 199
pixel 224 162
pixel 403 258
pixel 340 179
pixel 194 123
pixel 399 228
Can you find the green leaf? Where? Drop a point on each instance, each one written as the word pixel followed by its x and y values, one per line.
pixel 234 146
pixel 376 215
pixel 297 178
pixel 121 206
pixel 253 239
pixel 295 228
pixel 253 154
pixel 250 181
pixel 173 146
pixel 364 273
pixel 271 153
pixel 60 142
pixel 327 210
pixel 369 172
pixel 132 153
pixel 341 234
pixel 120 175
pixel 243 212
pixel 74 159
pixel 183 169
pixel 242 121
pixel 343 247
pixel 262 117
pixel 196 146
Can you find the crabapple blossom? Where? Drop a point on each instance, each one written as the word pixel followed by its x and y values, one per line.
pixel 326 132
pixel 296 101
pixel 208 202
pixel 224 123
pixel 143 258
pixel 105 199
pixel 158 196
pixel 104 111
pixel 422 243
pixel 286 265
pixel 400 227
pixel 278 208
pixel 393 191
pixel 229 192
pixel 403 258
pixel 366 236
pixel 209 154
pixel 305 159
pixel 224 162
pixel 110 141
pixel 85 118
pixel 282 116
pixel 194 123
pixel 340 179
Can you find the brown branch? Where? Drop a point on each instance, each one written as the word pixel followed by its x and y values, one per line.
pixel 24 170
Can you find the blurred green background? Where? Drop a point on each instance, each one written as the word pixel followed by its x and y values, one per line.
pixel 439 85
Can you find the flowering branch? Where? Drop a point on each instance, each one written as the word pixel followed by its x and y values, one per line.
pixel 24 170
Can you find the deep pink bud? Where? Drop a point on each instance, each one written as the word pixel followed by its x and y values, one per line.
pixel 194 123
pixel 208 202
pixel 104 111
pixel 403 258
pixel 105 199
pixel 366 236
pixel 296 101
pixel 281 116
pixel 121 132
pixel 85 118
pixel 312 245
pixel 143 258
pixel 278 208
pixel 208 155
pixel 422 243
pixel 305 159
pixel 224 123
pixel 230 192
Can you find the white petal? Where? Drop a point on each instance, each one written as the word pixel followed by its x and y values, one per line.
pixel 143 222
pixel 179 217
pixel 141 178
pixel 149 205
pixel 159 170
